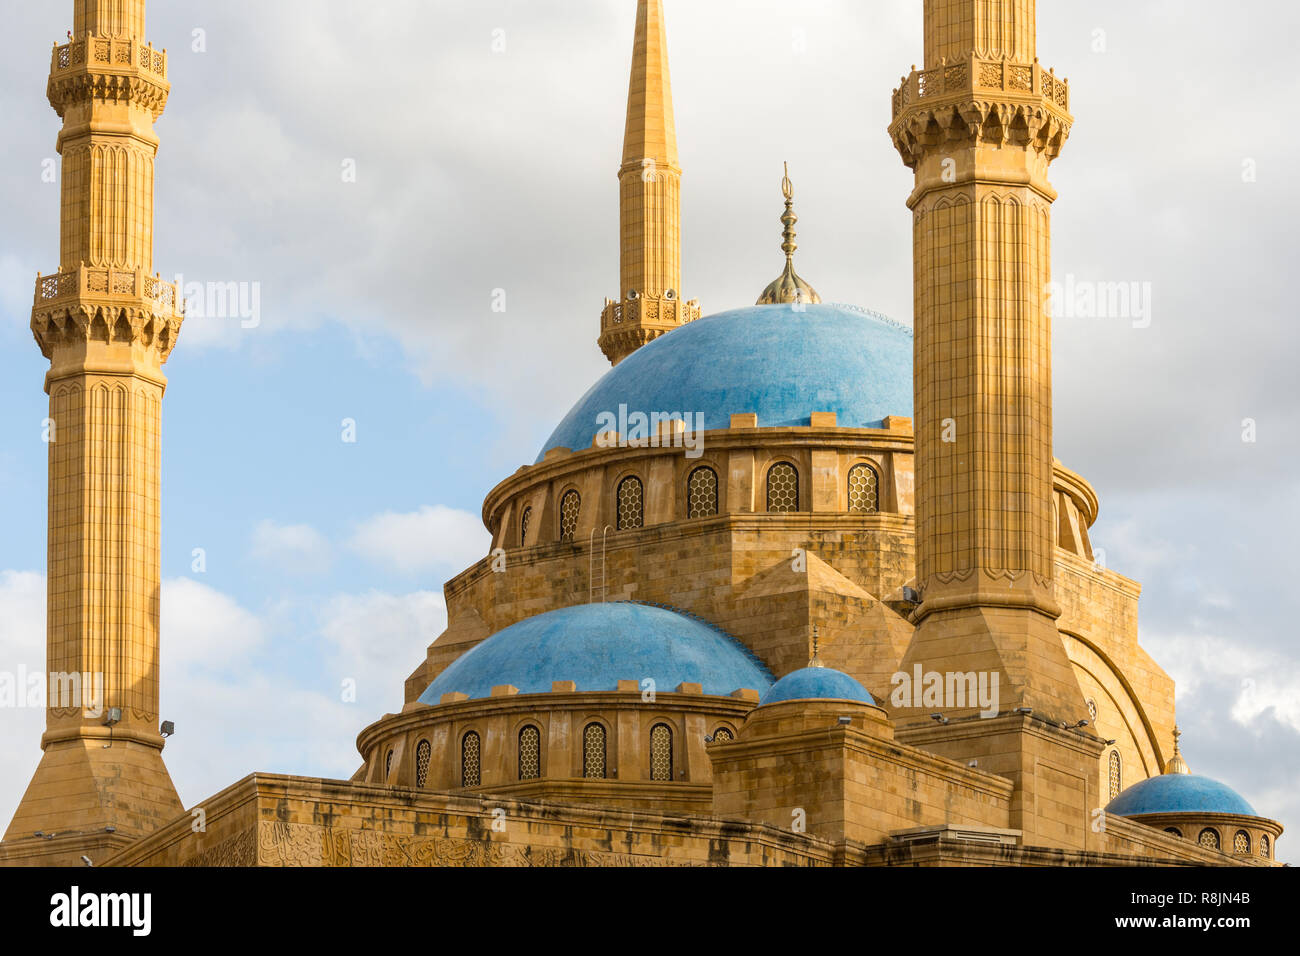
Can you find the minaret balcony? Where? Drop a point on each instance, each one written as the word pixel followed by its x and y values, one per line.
pixel 979 101
pixel 660 312
pixel 100 53
pixel 88 283
pixel 977 76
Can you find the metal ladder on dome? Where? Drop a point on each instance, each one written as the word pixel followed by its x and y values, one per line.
pixel 591 566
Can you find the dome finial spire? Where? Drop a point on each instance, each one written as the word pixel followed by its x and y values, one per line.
pixel 816 660
pixel 789 288
pixel 1176 763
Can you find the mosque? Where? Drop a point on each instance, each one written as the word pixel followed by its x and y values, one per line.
pixel 792 584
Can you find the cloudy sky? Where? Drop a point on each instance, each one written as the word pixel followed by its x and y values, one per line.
pixel 378 171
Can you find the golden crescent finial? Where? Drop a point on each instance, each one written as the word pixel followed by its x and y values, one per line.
pixel 787 187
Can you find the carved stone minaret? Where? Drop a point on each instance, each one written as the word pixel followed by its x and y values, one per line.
pixel 650 249
pixel 107 323
pixel 979 126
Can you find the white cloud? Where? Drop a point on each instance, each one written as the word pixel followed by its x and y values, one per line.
pixel 377 639
pixel 433 537
pixel 22 648
pixel 203 629
pixel 22 625
pixel 16 286
pixel 239 703
pixel 255 691
pixel 1248 681
pixel 298 549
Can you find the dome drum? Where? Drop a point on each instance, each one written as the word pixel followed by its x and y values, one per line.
pixel 1237 835
pixel 558 765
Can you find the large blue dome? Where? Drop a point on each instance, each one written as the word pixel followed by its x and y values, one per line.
pixel 596 646
pixel 817 683
pixel 1179 793
pixel 769 360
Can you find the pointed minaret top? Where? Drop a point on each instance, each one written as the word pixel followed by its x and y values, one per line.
pixel 650 301
pixel 651 132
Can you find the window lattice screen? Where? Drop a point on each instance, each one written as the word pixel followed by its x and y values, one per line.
pixel 631 504
pixel 593 752
pixel 661 752
pixel 702 493
pixel 530 753
pixel 471 760
pixel 864 490
pixel 782 488
pixel 422 753
pixel 570 505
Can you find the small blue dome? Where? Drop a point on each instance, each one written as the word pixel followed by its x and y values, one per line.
pixel 767 360
pixel 596 646
pixel 817 683
pixel 1179 793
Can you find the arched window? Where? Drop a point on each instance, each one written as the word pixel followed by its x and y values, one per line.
pixel 526 517
pixel 388 764
pixel 1116 774
pixel 723 734
pixel 782 488
pixel 661 752
pixel 1264 846
pixel 702 493
pixel 530 753
pixel 471 760
pixel 593 751
pixel 631 504
pixel 570 505
pixel 1241 843
pixel 864 490
pixel 1209 838
pixel 422 754
pixel 1175 831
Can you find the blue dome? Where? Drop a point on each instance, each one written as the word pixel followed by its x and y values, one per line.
pixel 596 646
pixel 768 360
pixel 817 683
pixel 1179 793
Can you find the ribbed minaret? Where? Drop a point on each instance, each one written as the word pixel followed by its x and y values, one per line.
pixel 107 324
pixel 650 248
pixel 979 126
